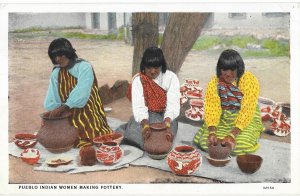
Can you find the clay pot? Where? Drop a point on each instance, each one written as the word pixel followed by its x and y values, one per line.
pixel 196 103
pixel 25 140
pixel 87 155
pixel 113 137
pixel 249 163
pixel 57 134
pixel 30 156
pixel 109 153
pixel 184 160
pixel 219 151
pixel 218 162
pixel 158 142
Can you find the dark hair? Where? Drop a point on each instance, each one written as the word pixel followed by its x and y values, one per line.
pixel 59 47
pixel 230 59
pixel 153 57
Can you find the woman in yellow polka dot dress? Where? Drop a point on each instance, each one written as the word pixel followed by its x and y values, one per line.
pixel 231 111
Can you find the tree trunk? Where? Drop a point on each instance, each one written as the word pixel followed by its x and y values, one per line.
pixel 181 32
pixel 145 34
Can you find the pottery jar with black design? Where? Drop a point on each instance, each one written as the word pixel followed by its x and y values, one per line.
pixel 57 134
pixel 184 160
pixel 158 142
pixel 109 153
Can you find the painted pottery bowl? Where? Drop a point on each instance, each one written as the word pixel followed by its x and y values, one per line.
pixel 57 161
pixel 113 137
pixel 184 160
pixel 30 156
pixel 286 108
pixel 109 153
pixel 219 151
pixel 196 102
pixel 218 162
pixel 249 163
pixel 25 140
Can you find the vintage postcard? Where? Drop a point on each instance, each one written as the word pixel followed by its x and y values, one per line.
pixel 209 72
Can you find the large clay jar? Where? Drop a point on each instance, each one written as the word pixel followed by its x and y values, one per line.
pixel 57 134
pixel 109 153
pixel 158 142
pixel 184 160
pixel 219 151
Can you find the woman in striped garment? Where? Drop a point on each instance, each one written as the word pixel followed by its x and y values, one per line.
pixel 231 107
pixel 73 87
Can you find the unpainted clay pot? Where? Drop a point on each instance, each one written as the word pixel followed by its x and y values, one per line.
pixel 219 151
pixel 87 155
pixel 57 134
pixel 158 141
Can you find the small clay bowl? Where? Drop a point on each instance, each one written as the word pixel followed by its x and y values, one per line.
pixel 219 151
pixel 249 163
pixel 55 162
pixel 113 137
pixel 30 156
pixel 25 140
pixel 218 162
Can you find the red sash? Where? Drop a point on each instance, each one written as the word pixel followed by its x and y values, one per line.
pixel 155 96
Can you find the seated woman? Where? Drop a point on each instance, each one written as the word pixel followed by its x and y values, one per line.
pixel 231 111
pixel 73 87
pixel 155 97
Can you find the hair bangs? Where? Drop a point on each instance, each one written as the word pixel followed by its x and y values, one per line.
pixel 153 57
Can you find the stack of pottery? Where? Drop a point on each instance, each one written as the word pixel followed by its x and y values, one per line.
pixel 57 134
pixel 109 153
pixel 158 142
pixel 184 160
pixel 218 154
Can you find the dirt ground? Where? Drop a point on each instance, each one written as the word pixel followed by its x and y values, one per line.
pixel 29 70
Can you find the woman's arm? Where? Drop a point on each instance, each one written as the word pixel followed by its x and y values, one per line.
pixel 173 98
pixel 139 109
pixel 79 96
pixel 249 86
pixel 52 100
pixel 212 104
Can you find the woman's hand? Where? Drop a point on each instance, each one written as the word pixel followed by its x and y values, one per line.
pixel 58 111
pixel 212 137
pixel 167 122
pixel 230 139
pixel 145 128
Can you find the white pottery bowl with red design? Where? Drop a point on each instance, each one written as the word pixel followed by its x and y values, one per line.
pixel 25 140
pixel 30 156
pixel 184 160
pixel 109 153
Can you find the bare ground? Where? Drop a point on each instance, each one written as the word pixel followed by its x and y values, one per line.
pixel 29 70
